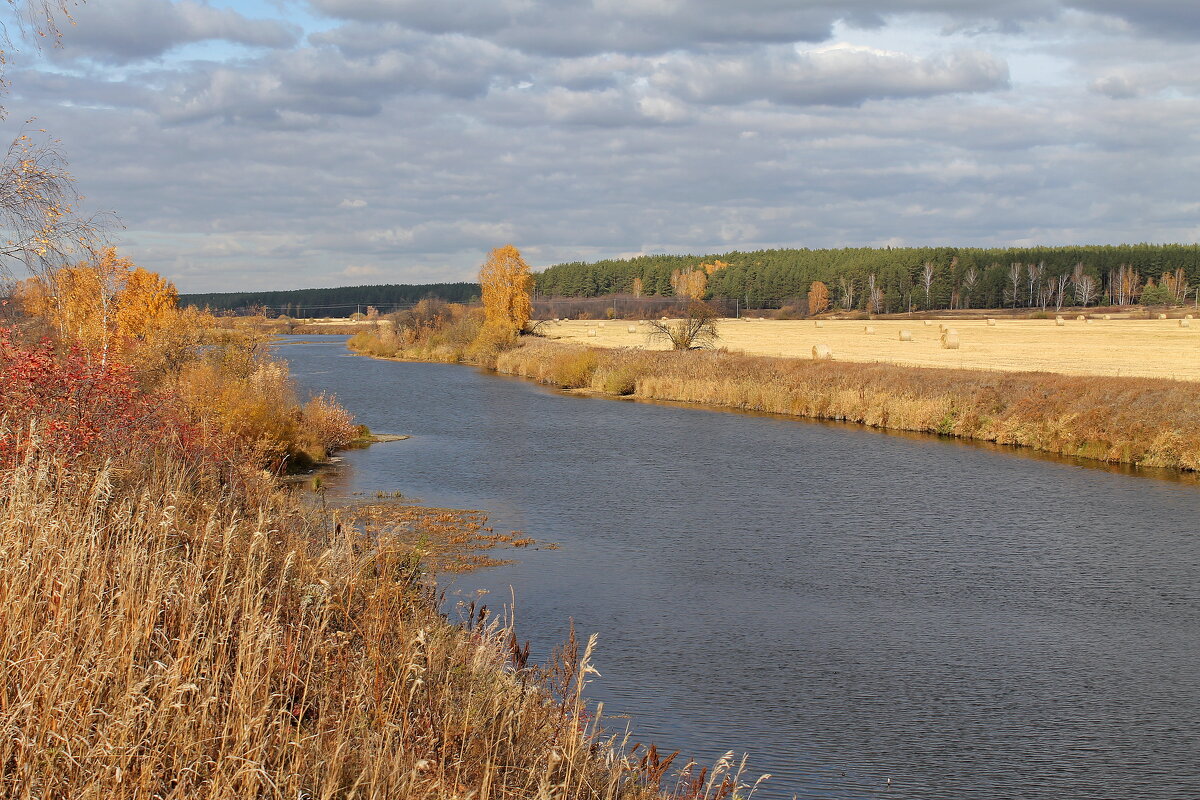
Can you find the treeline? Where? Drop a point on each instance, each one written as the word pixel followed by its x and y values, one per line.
pixel 341 301
pixel 887 280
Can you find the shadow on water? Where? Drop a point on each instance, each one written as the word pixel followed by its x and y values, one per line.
pixel 966 620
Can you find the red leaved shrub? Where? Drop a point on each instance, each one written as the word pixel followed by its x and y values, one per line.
pixel 68 403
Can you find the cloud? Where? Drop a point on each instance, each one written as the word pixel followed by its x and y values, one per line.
pixel 402 140
pixel 840 76
pixel 571 28
pixel 361 271
pixel 124 31
pixel 1116 87
pixel 1169 19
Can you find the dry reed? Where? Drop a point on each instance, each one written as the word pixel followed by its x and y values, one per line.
pixel 1142 421
pixel 164 638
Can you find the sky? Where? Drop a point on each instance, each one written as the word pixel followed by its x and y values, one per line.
pixel 276 144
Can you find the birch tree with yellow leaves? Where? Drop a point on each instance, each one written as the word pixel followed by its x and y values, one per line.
pixel 506 283
pixel 101 304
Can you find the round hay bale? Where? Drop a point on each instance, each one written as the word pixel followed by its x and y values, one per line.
pixel 1107 316
pixel 1189 316
pixel 1081 318
pixel 1162 316
pixel 600 323
pixel 591 331
pixel 950 340
pixel 1059 321
pixel 928 323
pixel 633 328
pixel 820 324
pixel 868 329
pixel 991 323
pixel 1185 323
pixel 906 336
pixel 821 352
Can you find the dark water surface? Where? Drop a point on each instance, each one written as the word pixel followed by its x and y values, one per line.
pixel 847 606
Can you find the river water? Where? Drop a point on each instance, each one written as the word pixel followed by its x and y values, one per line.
pixel 848 607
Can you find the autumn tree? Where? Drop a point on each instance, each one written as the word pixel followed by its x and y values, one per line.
pixel 506 283
pixel 690 283
pixel 818 297
pixel 101 302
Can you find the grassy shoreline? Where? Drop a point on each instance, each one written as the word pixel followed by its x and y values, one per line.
pixel 1135 421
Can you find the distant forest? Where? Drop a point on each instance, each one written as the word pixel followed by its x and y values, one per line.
pixel 901 278
pixel 882 280
pixel 340 302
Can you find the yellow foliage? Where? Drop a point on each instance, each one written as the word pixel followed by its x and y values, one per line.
pixel 818 297
pixel 144 304
pixel 506 283
pixel 105 303
pixel 692 283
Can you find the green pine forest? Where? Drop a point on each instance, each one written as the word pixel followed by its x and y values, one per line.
pixel 883 280
pixel 895 279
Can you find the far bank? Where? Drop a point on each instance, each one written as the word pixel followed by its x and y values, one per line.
pixel 1143 422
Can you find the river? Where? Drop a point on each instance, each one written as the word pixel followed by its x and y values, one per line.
pixel 867 615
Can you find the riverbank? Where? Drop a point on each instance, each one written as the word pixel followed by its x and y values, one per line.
pixel 1142 422
pixel 177 624
pixel 1136 421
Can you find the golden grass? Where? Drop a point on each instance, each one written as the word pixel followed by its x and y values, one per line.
pixel 1116 347
pixel 164 638
pixel 1141 421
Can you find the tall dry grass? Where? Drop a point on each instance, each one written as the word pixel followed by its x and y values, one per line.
pixel 1140 421
pixel 165 637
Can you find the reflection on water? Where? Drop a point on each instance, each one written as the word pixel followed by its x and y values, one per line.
pixel 849 607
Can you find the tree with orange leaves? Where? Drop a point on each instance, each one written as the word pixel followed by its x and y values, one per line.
pixel 818 297
pixel 507 284
pixel 145 304
pixel 690 283
pixel 108 300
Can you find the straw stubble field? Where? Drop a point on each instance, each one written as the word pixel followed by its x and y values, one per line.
pixel 1120 347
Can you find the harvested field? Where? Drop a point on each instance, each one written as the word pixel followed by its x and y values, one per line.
pixel 1119 347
